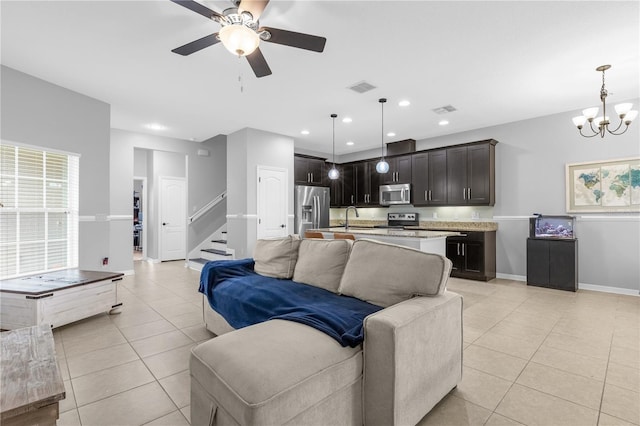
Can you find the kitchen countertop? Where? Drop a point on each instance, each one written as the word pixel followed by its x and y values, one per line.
pixel 429 225
pixel 387 232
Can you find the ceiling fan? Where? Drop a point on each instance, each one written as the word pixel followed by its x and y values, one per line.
pixel 241 34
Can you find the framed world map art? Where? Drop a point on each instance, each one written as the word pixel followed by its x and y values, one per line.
pixel 605 186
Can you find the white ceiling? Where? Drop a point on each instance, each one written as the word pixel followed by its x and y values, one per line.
pixel 496 62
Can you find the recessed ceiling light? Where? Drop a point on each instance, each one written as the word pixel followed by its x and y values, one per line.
pixel 351 143
pixel 155 126
pixel 305 132
pixel 391 134
pixel 404 103
pixel 347 120
pixel 443 122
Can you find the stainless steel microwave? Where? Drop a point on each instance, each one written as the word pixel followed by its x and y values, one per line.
pixel 395 194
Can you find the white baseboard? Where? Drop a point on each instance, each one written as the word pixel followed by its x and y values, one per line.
pixel 151 260
pixel 607 289
pixel 581 286
pixel 512 277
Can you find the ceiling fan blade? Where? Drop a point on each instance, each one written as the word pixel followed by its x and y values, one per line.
pixel 258 64
pixel 199 44
pixel 299 40
pixel 255 7
pixel 198 8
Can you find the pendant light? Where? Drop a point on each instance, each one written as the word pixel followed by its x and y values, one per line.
pixel 334 173
pixel 382 166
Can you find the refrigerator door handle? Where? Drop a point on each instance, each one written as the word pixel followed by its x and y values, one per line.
pixel 316 212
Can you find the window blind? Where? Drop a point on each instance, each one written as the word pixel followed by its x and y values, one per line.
pixel 38 210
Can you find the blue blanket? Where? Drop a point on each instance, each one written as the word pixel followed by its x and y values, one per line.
pixel 244 298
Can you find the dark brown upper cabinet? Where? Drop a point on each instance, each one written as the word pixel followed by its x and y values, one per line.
pixel 399 170
pixel 367 183
pixel 471 174
pixel 308 170
pixel 429 178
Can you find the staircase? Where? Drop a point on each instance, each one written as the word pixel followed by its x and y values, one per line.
pixel 216 251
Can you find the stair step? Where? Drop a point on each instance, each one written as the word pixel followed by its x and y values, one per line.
pixel 219 241
pixel 218 252
pixel 197 264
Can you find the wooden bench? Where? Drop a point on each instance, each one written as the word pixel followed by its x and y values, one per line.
pixel 57 298
pixel 29 377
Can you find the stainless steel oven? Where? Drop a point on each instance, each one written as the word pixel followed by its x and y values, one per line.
pixel 395 194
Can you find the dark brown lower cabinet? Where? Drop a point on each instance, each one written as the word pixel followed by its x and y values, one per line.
pixel 473 255
pixel 552 263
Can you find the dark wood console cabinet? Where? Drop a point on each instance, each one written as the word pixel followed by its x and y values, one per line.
pixel 473 255
pixel 552 263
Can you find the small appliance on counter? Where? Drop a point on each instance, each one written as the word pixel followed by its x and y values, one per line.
pixel 400 220
pixel 552 252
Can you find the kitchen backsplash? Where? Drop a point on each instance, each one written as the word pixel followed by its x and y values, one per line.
pixel 480 213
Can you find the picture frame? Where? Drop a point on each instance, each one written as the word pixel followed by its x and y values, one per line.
pixel 603 186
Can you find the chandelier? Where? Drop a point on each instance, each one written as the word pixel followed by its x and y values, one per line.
pixel 602 122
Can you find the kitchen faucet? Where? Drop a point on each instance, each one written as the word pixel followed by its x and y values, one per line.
pixel 346 216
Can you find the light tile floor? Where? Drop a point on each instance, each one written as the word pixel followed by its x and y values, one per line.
pixel 532 356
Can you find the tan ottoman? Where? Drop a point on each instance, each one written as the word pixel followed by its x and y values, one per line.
pixel 273 373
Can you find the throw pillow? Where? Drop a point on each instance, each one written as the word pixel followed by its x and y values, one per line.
pixel 277 257
pixel 385 274
pixel 321 262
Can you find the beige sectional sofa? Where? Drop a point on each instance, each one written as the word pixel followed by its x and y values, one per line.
pixel 282 372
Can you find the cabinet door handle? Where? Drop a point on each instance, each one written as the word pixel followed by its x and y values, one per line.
pixel 311 177
pixel 469 193
pixel 463 249
pixel 458 248
pixel 464 193
pixel 430 197
pixel 351 198
pixel 426 195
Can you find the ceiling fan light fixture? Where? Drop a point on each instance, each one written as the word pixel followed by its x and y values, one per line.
pixel 239 39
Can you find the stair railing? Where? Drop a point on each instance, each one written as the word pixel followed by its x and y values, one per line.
pixel 211 204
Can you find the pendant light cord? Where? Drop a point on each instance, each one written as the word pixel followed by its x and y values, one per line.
pixel 382 102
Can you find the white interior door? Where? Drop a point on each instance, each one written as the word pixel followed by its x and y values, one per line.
pixel 273 199
pixel 173 218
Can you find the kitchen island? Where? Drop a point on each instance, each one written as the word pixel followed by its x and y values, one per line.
pixel 427 241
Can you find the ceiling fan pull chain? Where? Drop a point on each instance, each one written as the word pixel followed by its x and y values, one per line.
pixel 240 75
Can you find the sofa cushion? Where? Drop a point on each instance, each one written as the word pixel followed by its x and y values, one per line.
pixel 385 274
pixel 276 257
pixel 257 375
pixel 321 262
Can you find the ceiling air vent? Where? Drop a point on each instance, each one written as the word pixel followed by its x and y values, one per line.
pixel 444 109
pixel 362 87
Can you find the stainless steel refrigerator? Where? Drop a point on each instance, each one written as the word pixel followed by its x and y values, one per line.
pixel 311 208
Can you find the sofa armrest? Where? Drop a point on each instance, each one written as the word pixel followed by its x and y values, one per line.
pixel 412 358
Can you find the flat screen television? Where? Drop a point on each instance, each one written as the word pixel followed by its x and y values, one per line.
pixel 561 227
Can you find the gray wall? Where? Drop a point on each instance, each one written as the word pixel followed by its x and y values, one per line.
pixel 530 177
pixel 246 150
pixel 206 179
pixel 42 114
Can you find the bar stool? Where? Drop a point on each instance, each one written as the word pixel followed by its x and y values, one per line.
pixel 339 236
pixel 313 234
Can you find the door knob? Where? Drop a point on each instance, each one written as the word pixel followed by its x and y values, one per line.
pixel 164 223
pixel 282 226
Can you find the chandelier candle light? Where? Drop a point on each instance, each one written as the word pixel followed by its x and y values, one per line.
pixel 623 110
pixel 334 173
pixel 382 166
